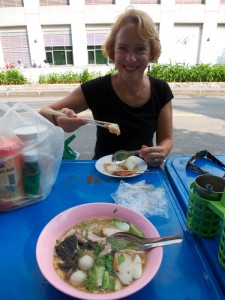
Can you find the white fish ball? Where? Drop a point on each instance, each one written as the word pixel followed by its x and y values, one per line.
pixel 86 262
pixel 77 277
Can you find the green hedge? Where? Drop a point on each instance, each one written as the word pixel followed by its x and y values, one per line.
pixel 68 77
pixel 167 72
pixel 183 73
pixel 8 77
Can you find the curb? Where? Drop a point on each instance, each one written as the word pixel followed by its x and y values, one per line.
pixel 58 90
pixel 58 93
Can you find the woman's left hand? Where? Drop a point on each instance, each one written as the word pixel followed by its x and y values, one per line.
pixel 153 156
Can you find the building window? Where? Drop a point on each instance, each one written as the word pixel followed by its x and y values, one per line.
pixel 58 46
pixel 53 2
pixel 95 2
pixel 145 1
pixel 95 55
pixel 11 3
pixel 95 40
pixel 190 2
pixel 59 55
pixel 15 46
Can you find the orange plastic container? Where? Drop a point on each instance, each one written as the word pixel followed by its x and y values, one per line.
pixel 11 185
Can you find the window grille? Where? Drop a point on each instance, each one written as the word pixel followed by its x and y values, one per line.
pixel 11 3
pixel 53 2
pixel 15 46
pixel 96 2
pixel 190 2
pixel 96 37
pixel 145 1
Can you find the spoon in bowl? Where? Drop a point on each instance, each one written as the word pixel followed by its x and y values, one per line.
pixel 146 243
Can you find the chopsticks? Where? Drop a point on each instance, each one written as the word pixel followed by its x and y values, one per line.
pixel 90 121
pixel 112 127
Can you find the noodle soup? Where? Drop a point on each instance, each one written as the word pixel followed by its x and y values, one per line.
pixel 85 259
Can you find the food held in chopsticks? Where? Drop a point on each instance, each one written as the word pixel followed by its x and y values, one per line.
pixel 125 168
pixel 113 128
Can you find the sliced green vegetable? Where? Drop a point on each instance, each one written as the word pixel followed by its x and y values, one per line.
pixel 95 278
pixel 135 230
pixel 109 263
pixel 98 248
pixel 121 259
pixel 105 261
pixel 108 283
pixel 99 272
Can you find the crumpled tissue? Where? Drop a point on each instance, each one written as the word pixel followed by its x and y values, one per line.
pixel 142 197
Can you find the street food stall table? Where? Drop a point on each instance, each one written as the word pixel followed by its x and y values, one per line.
pixel 185 273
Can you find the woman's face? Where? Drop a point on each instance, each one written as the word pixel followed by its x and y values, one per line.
pixel 131 54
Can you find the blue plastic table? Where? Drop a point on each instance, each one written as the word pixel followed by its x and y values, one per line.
pixel 180 179
pixel 184 273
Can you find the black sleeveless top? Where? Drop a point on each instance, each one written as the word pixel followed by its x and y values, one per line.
pixel 137 124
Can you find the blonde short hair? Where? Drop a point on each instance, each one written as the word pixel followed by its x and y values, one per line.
pixel 145 28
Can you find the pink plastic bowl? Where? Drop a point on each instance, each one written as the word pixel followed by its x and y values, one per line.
pixel 65 220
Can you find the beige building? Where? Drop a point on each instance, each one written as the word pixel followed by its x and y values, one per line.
pixel 71 32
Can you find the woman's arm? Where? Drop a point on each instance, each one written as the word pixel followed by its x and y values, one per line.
pixel 71 105
pixel 155 156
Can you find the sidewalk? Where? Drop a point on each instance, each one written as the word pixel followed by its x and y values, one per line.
pixel 179 89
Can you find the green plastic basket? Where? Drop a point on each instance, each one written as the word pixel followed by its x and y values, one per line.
pixel 221 253
pixel 205 217
pixel 201 220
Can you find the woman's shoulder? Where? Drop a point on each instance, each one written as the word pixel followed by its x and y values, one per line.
pixel 96 88
pixel 159 85
pixel 158 82
pixel 97 81
pixel 161 88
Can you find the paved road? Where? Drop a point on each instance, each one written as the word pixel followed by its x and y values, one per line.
pixel 199 123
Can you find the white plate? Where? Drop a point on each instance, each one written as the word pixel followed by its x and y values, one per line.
pixel 141 165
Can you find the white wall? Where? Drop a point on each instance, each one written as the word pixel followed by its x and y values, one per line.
pixel 203 26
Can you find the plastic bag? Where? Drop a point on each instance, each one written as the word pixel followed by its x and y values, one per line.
pixel 143 198
pixel 31 150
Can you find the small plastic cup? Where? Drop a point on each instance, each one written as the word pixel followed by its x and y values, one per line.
pixel 209 187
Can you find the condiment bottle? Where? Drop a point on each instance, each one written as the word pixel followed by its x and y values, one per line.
pixel 31 173
pixel 11 186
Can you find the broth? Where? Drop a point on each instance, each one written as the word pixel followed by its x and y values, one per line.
pixel 85 259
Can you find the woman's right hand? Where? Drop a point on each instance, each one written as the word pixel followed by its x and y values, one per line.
pixel 70 122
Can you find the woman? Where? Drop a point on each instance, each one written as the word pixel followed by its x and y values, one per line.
pixel 140 104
